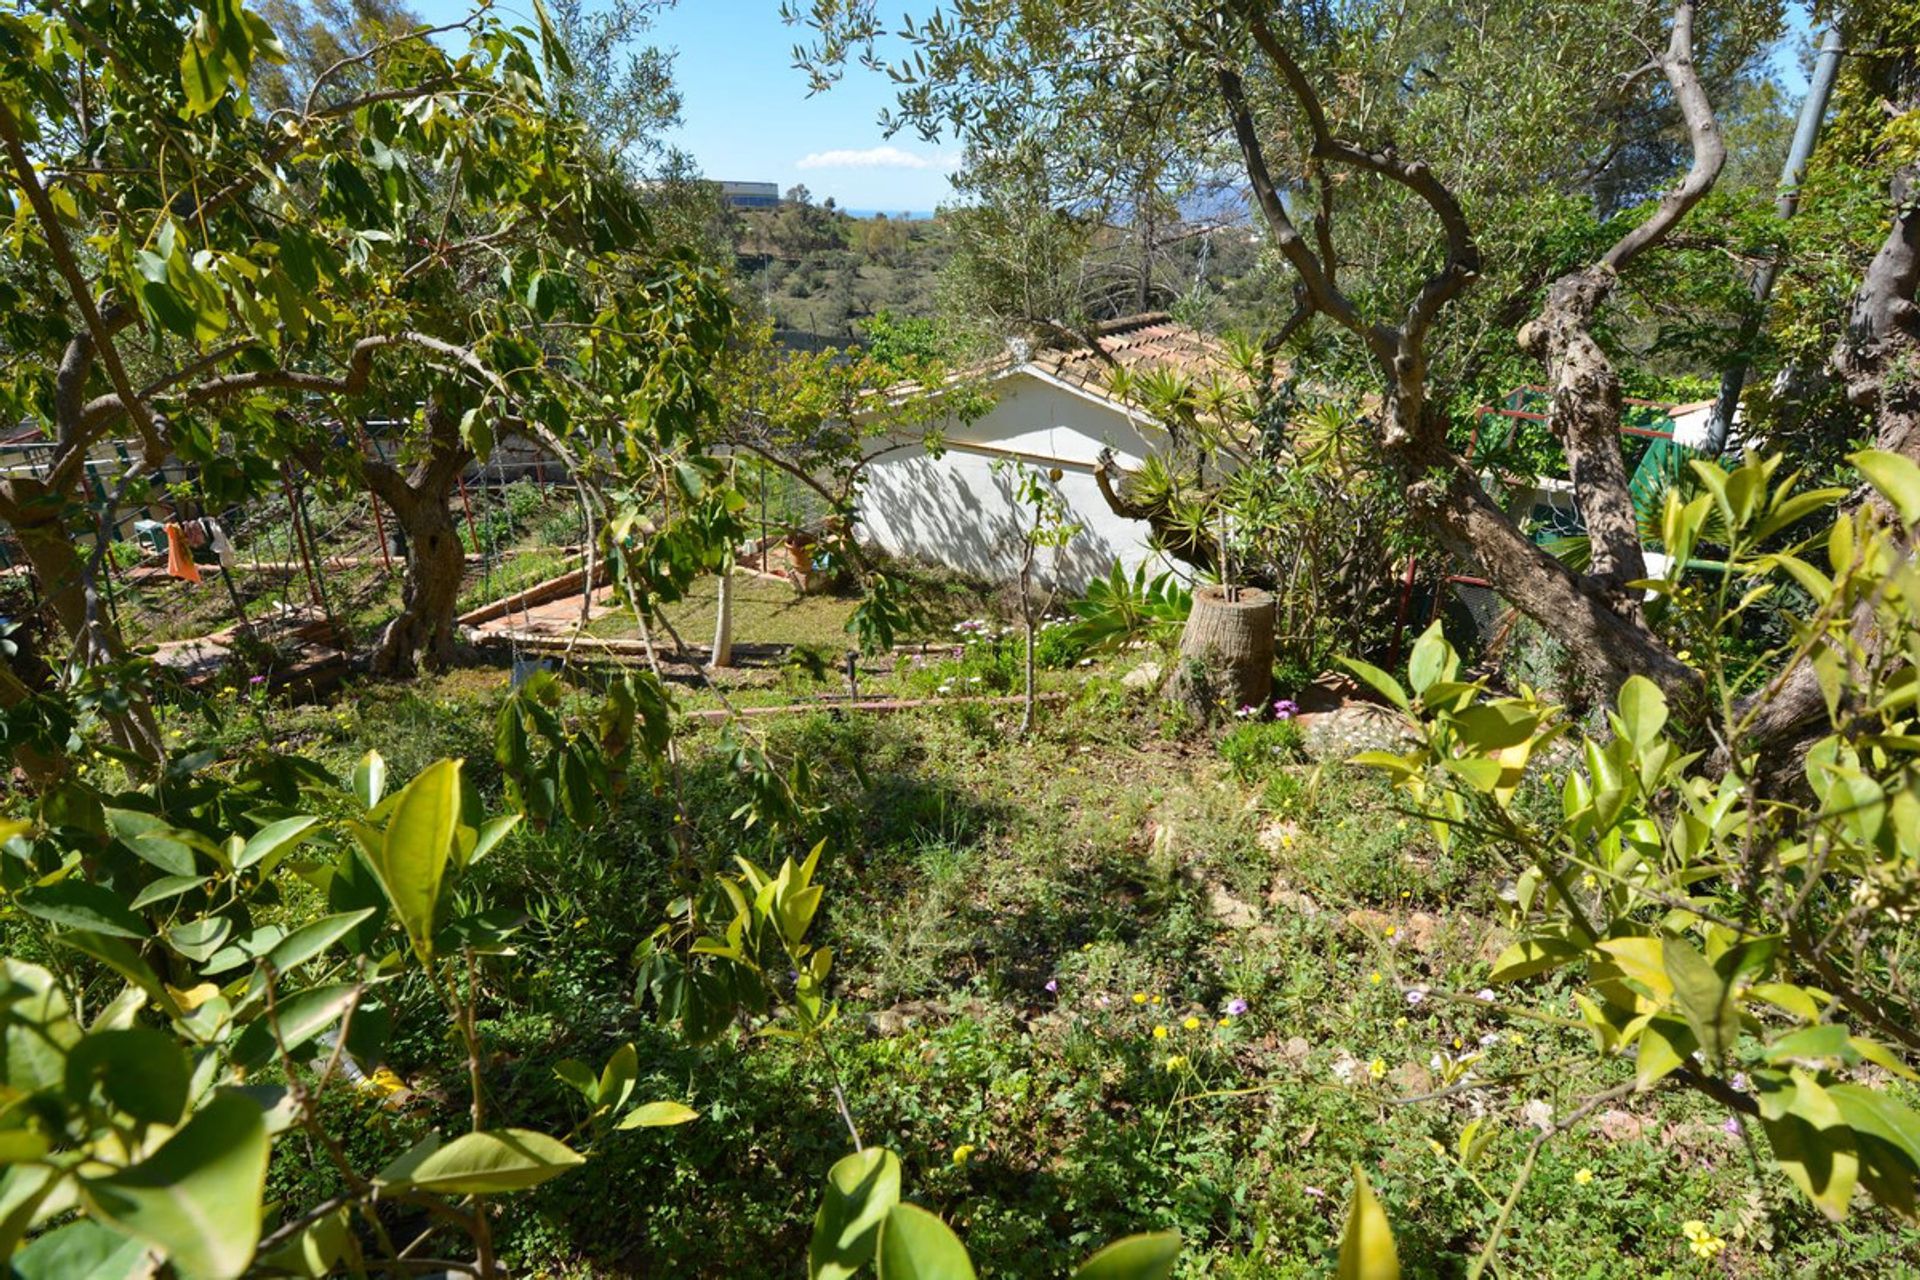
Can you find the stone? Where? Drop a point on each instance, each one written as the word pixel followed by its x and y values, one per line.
pixel 1229 910
pixel 1619 1125
pixel 1145 677
pixel 1284 896
pixel 1421 931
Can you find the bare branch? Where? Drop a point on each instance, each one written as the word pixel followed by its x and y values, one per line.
pixel 1463 254
pixel 1703 132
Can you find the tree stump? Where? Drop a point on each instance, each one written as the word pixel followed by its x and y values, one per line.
pixel 1226 651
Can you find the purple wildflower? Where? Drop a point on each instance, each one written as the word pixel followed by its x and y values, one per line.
pixel 1053 986
pixel 1285 709
pixel 1732 1126
pixel 1416 995
pixel 257 680
pixel 1315 1192
pixel 1236 1007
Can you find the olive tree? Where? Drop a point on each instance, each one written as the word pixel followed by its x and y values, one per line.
pixel 1334 120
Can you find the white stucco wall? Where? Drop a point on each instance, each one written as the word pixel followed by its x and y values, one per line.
pixel 954 510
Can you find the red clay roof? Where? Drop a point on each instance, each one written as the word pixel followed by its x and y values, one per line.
pixel 1148 343
pixel 1152 342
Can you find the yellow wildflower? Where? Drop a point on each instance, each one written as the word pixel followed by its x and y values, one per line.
pixel 1139 997
pixel 1700 1240
pixel 1377 1068
pixel 963 1153
pixel 1176 1062
pixel 1375 978
pixel 1583 1177
pixel 1192 1023
pixel 1159 1033
pixel 1156 1000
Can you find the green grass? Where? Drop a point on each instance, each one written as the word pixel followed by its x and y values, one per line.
pixel 966 869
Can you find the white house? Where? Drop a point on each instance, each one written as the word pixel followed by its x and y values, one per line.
pixel 1054 412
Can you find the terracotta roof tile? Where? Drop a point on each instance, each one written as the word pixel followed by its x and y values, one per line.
pixel 1151 342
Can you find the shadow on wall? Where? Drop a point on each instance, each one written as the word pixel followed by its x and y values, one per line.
pixel 968 519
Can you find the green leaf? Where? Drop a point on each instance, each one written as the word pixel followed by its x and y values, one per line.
pixel 198 1196
pixel 300 1019
pixel 656 1115
pixel 1896 477
pixel 579 1077
pixel 1478 772
pixel 1881 1056
pixel 1663 1046
pixel 166 887
pixel 1495 726
pixel 1382 683
pixel 490 833
pixel 1823 1042
pixel 204 70
pixel 370 775
pixel 1367 1251
pixel 1142 1257
pixel 316 1251
pixel 916 1245
pixel 861 1189
pixel 152 840
pixel 552 47
pixel 413 855
pixel 1815 1148
pixel 1531 956
pixel 483 1163
pixel 1876 1112
pixel 141 1071
pixel 119 955
pixel 309 940
pixel 1795 509
pixel 616 1081
pixel 1643 710
pixel 1704 997
pixel 1428 661
pixel 1795 1000
pixel 1402 766
pixel 75 904
pixel 82 1249
pixel 274 840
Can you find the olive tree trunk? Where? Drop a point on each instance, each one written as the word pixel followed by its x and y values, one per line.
pixel 421 636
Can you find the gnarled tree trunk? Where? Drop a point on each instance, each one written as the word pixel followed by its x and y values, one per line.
pixel 422 635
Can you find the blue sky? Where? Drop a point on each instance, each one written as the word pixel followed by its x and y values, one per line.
pixel 748 117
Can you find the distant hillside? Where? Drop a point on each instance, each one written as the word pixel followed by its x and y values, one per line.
pixel 820 270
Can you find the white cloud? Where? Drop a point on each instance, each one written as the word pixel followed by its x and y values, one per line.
pixel 871 158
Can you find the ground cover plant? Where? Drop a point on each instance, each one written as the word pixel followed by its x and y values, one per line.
pixel 589 953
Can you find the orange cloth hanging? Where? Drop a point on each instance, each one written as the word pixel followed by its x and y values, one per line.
pixel 179 558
